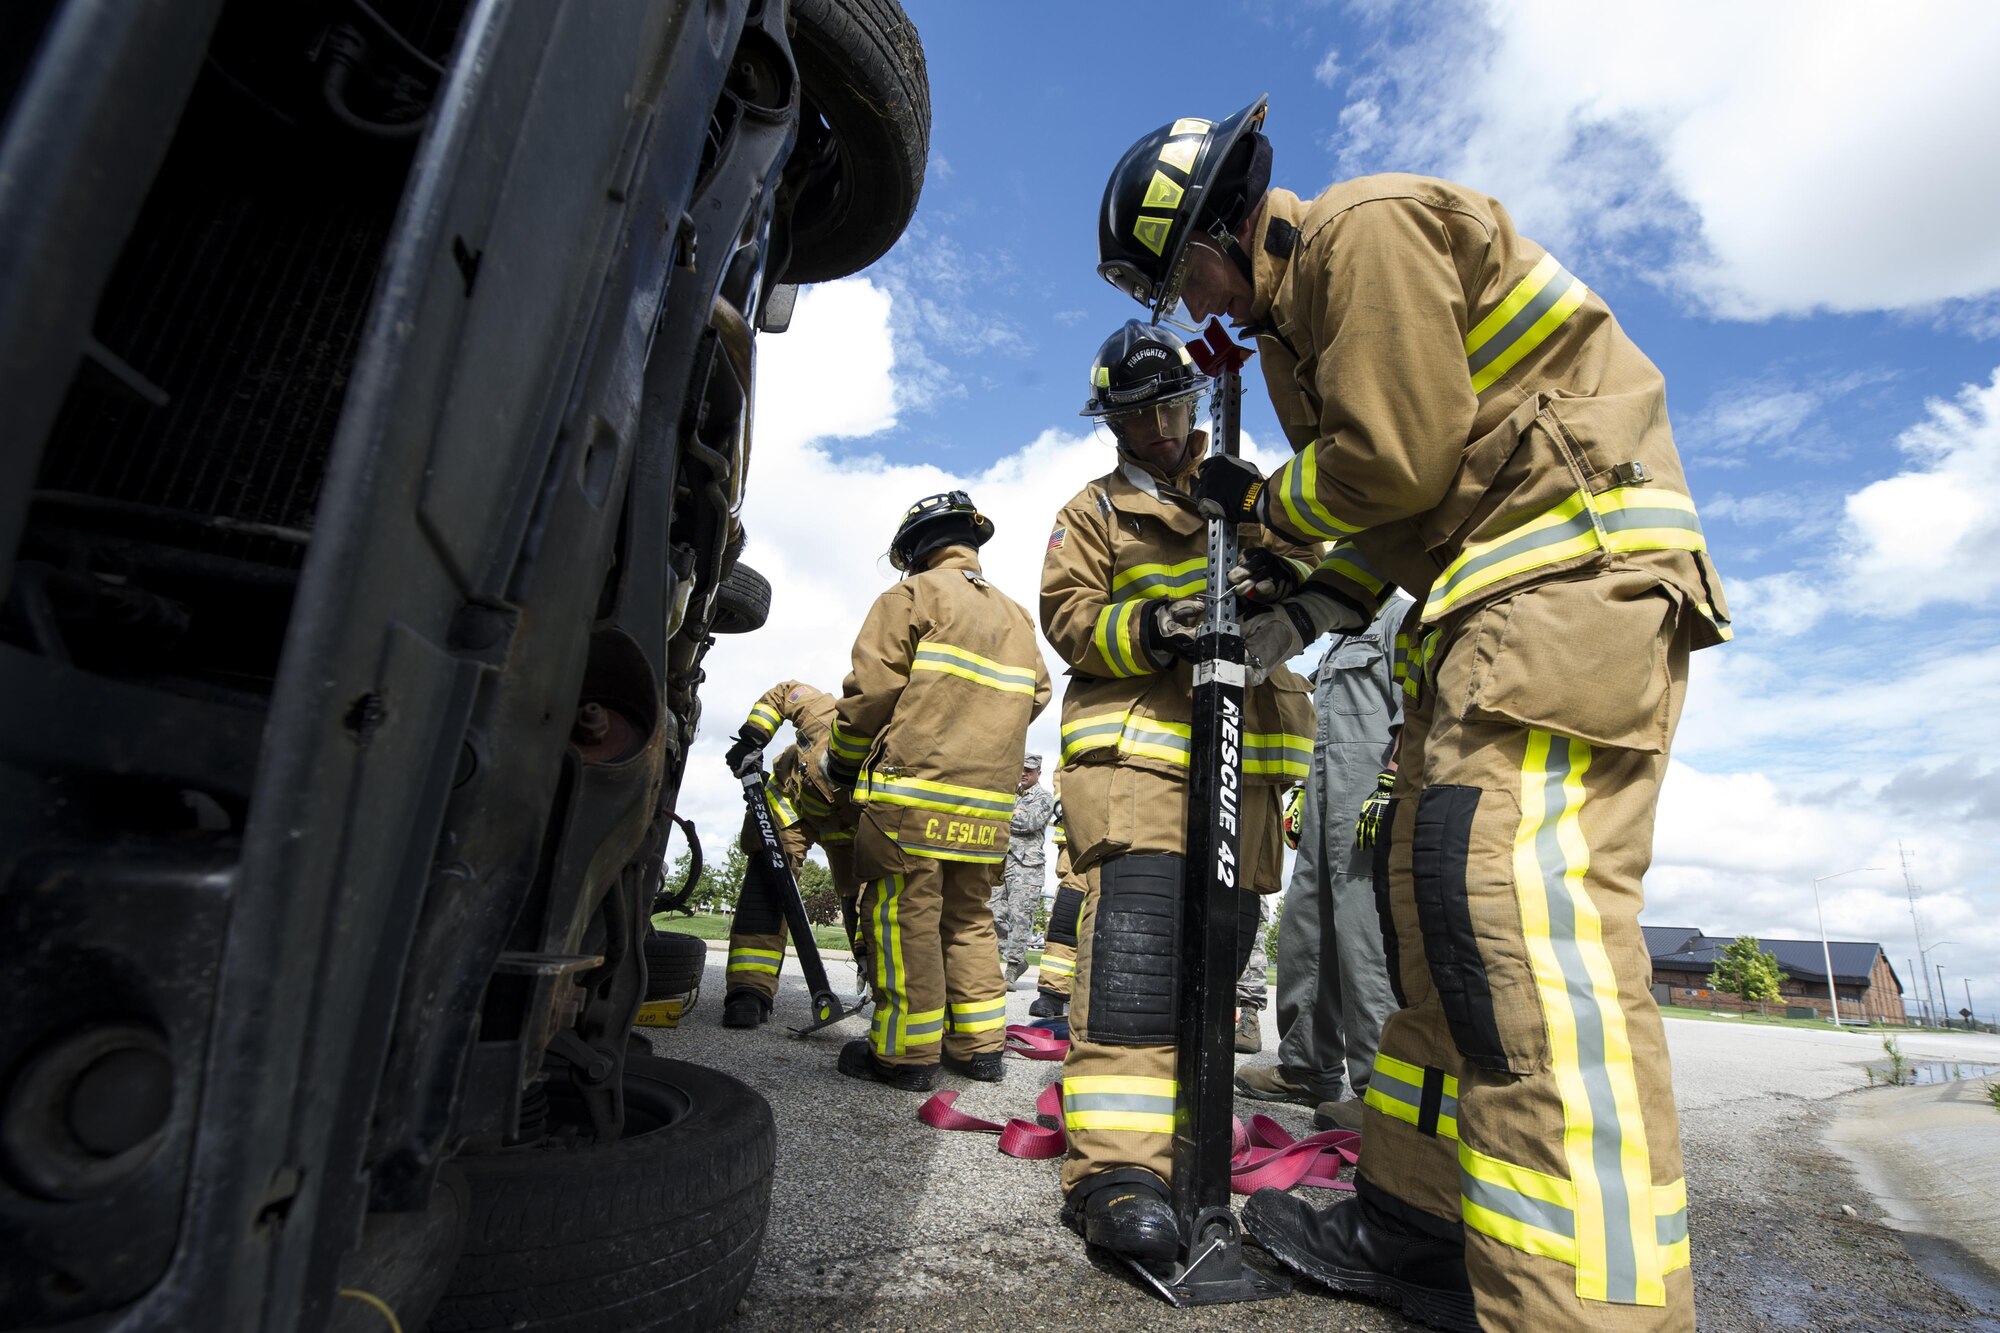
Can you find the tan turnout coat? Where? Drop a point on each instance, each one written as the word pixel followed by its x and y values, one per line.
pixel 1470 418
pixel 946 678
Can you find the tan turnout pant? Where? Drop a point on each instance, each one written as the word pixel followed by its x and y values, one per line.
pixel 1522 1095
pixel 936 962
pixel 757 935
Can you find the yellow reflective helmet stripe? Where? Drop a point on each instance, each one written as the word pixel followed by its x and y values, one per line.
pixel 1152 232
pixel 1604 1133
pixel 1190 125
pixel 1536 307
pixel 1162 192
pixel 1100 376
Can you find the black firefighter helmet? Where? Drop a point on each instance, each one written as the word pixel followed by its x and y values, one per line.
pixel 1139 368
pixel 1190 176
pixel 946 519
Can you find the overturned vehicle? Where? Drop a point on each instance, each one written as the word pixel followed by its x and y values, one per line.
pixel 376 379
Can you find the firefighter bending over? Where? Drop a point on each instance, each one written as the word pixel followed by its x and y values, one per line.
pixel 1472 425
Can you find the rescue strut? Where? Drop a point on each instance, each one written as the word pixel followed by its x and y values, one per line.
pixel 1211 1270
pixel 826 1006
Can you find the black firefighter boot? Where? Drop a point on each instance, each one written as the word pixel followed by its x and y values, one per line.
pixel 1400 1258
pixel 1048 1004
pixel 745 1008
pixel 986 1066
pixel 857 1060
pixel 1126 1211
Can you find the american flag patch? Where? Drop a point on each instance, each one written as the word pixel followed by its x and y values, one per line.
pixel 1058 537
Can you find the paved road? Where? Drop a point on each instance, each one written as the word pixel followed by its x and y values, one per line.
pixel 882 1223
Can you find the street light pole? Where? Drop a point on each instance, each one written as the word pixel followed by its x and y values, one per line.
pixel 1968 1004
pixel 1941 989
pixel 1938 1017
pixel 1825 949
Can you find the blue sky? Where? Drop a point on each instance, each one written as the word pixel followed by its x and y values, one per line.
pixel 1786 204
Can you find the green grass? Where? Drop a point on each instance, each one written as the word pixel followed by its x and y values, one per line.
pixel 1993 1095
pixel 1712 1016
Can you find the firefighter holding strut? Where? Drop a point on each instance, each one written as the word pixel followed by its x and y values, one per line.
pixel 928 736
pixel 803 813
pixel 1471 424
pixel 1122 583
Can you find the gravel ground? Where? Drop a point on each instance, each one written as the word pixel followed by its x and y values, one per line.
pixel 879 1222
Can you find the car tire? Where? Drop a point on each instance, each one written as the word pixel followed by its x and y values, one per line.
pixel 656 1233
pixel 674 963
pixel 742 602
pixel 861 69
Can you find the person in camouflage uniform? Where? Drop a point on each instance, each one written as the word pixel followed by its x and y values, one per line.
pixel 1020 888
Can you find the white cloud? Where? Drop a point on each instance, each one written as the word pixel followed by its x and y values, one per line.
pixel 1327 72
pixel 1929 534
pixel 1781 157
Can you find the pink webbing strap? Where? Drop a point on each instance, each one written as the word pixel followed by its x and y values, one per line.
pixel 1035 1043
pixel 1266 1157
pixel 1018 1138
pixel 1263 1156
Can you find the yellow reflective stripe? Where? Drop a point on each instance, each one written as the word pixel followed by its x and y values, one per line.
pixel 1057 967
pixel 1157 580
pixel 1296 485
pixel 1347 563
pixel 978 1015
pixel 1162 192
pixel 1530 1211
pixel 966 665
pixel 763 718
pixel 780 807
pixel 1396 1089
pixel 1604 1135
pixel 971 800
pixel 1119 1102
pixel 837 835
pixel 1536 307
pixel 846 744
pixel 1169 741
pixel 1670 1222
pixel 887 956
pixel 1100 376
pixel 1626 519
pixel 1113 640
pixel 1278 752
pixel 755 960
pixel 943 854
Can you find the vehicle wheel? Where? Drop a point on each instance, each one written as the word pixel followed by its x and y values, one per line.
pixel 862 77
pixel 656 1232
pixel 742 603
pixel 673 964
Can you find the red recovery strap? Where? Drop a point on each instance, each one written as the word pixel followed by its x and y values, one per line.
pixel 1262 1156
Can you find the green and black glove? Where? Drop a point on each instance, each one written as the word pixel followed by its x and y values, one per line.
pixel 1374 810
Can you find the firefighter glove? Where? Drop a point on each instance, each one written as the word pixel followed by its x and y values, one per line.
pixel 838 774
pixel 1295 816
pixel 1263 576
pixel 1228 488
pixel 1315 611
pixel 1270 639
pixel 746 756
pixel 1374 810
pixel 1172 629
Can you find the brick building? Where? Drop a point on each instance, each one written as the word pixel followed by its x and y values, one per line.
pixel 1862 977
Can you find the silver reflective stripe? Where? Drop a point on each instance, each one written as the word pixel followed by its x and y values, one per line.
pixel 1623 520
pixel 1411 1096
pixel 1569 529
pixel 1607 1141
pixel 1003 676
pixel 1510 333
pixel 923 1029
pixel 1673 1228
pixel 1534 1212
pixel 1118 1101
pixel 1184 585
pixel 933 799
pixel 888 957
pixel 997 1010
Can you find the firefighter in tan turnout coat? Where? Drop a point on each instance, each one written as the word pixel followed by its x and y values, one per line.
pixel 928 735
pixel 1122 579
pixel 1470 424
pixel 803 815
